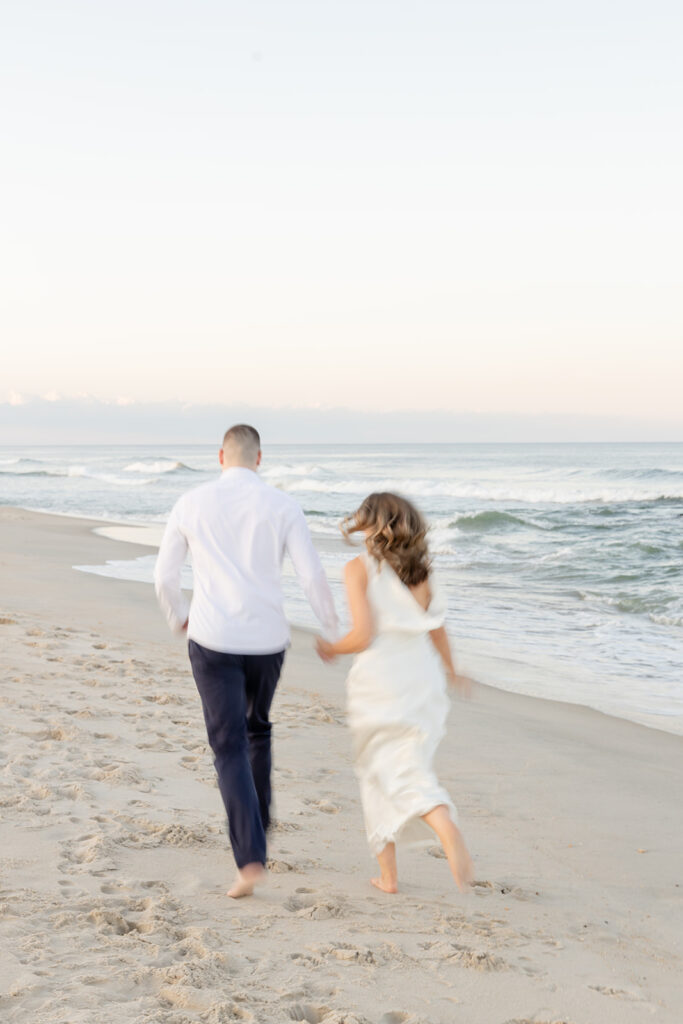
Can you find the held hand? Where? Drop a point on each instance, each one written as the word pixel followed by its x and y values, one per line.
pixel 463 684
pixel 325 649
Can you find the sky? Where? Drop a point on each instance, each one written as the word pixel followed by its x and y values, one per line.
pixel 384 207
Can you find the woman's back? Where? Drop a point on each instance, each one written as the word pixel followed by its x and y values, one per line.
pixel 397 608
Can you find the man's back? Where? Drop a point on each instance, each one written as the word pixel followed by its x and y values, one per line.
pixel 237 529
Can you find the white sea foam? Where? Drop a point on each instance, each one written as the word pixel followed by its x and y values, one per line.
pixel 108 478
pixel 160 466
pixel 425 488
pixel 284 470
pixel 666 620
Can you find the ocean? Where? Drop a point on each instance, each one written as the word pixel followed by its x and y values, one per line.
pixel 562 561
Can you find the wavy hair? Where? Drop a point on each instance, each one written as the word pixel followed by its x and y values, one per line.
pixel 395 533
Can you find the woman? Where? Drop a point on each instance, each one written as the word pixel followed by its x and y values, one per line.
pixel 397 702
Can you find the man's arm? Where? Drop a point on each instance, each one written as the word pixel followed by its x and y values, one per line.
pixel 169 564
pixel 311 574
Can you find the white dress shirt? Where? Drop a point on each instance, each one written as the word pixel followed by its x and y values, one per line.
pixel 238 529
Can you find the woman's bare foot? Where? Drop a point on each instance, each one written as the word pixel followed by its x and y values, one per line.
pixel 384 885
pixel 459 860
pixel 247 877
pixel 388 872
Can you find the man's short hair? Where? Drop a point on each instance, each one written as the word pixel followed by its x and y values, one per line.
pixel 245 438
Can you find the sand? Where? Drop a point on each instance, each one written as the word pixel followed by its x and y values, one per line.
pixel 114 862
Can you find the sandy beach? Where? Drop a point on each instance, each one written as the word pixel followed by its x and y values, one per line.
pixel 114 861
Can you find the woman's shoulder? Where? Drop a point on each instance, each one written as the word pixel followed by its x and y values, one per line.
pixel 356 569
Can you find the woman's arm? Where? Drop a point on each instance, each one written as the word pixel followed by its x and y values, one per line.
pixel 360 634
pixel 439 638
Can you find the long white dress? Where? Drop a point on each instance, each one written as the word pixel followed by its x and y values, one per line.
pixel 397 707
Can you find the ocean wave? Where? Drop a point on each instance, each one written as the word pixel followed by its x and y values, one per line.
pixel 158 467
pixel 634 605
pixel 29 472
pixel 666 620
pixel 324 525
pixel 490 520
pixel 556 556
pixel 296 469
pixel 107 478
pixel 79 472
pixel 309 478
pixel 648 548
pixel 423 488
pixel 652 473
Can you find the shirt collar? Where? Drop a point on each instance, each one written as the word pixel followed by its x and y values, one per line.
pixel 238 473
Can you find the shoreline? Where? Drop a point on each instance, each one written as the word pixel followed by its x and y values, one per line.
pixel 114 862
pixel 487 668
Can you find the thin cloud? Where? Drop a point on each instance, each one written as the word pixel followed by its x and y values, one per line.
pixel 88 420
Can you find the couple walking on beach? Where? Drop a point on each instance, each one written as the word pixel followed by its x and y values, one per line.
pixel 237 530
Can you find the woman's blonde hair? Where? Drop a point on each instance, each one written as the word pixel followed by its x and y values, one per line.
pixel 397 535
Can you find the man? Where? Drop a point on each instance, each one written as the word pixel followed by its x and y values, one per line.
pixel 237 530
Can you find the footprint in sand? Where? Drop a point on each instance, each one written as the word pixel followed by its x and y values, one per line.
pixel 304 1013
pixel 481 888
pixel 464 956
pixel 284 826
pixel 319 713
pixel 529 1020
pixel 324 806
pixel 352 954
pixel 619 993
pixel 279 867
pixel 344 1018
pixel 478 960
pixel 190 762
pixel 306 903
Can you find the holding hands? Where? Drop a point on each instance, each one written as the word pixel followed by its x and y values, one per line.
pixel 325 649
pixel 463 684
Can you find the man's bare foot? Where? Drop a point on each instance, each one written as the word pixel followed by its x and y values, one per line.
pixel 249 876
pixel 384 885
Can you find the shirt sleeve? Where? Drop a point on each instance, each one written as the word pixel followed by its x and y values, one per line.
pixel 311 575
pixel 167 570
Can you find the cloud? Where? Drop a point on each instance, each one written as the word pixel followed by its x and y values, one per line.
pixel 87 420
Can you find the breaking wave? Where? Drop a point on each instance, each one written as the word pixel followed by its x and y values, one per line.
pixel 159 466
pixel 488 521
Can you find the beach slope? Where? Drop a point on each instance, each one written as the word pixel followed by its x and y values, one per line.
pixel 114 862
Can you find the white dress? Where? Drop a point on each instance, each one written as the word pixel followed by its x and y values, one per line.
pixel 397 707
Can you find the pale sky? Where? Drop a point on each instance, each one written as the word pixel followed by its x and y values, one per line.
pixel 460 206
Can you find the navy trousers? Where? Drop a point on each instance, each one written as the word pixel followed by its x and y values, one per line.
pixel 237 691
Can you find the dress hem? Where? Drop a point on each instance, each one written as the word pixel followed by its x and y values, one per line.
pixel 377 845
